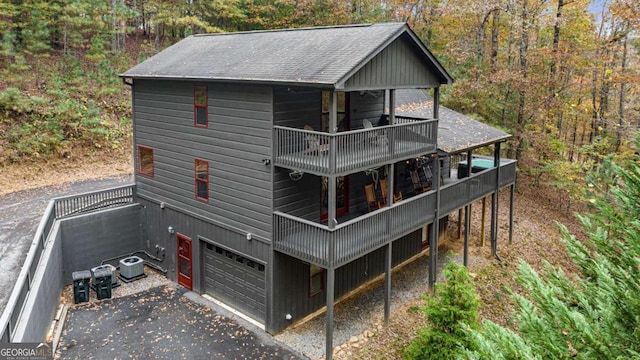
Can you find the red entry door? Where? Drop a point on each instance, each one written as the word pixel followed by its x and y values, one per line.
pixel 184 262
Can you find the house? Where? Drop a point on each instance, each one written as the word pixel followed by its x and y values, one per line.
pixel 274 180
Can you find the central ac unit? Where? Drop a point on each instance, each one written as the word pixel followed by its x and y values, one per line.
pixel 131 267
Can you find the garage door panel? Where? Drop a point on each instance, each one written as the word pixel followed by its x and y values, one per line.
pixel 234 279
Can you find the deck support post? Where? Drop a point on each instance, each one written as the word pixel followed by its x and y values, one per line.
pixel 331 179
pixel 435 227
pixel 494 202
pixel 482 220
pixel 467 220
pixel 459 223
pixel 390 167
pixel 513 188
pixel 329 326
pixel 436 104
pixel 387 283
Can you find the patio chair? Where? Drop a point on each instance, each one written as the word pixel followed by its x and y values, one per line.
pixel 383 188
pixel 428 176
pixel 374 138
pixel 372 200
pixel 415 181
pixel 313 143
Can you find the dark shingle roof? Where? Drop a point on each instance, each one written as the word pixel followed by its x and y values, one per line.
pixel 322 55
pixel 456 132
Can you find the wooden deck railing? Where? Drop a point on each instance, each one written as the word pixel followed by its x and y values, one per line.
pixel 318 244
pixel 56 209
pixel 350 151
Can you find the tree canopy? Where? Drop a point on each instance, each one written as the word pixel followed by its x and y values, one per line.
pixel 560 75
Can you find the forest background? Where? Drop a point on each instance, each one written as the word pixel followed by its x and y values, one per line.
pixel 562 76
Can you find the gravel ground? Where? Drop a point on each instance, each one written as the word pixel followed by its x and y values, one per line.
pixel 359 316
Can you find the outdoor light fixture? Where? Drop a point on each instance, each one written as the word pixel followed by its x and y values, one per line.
pixel 248 236
pixel 171 230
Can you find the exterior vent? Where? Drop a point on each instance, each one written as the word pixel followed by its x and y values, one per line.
pixel 131 268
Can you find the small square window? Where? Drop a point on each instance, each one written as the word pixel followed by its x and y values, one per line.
pixel 200 106
pixel 202 180
pixel 145 161
pixel 316 280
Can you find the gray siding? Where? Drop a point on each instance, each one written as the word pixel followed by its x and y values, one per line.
pixel 399 65
pixel 291 282
pixel 89 239
pixel 155 232
pixel 236 141
pixel 366 105
pixel 296 108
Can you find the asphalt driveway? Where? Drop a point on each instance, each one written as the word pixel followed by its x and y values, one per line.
pixel 20 214
pixel 164 322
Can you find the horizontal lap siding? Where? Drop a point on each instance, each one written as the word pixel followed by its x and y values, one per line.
pixel 238 137
pixel 297 108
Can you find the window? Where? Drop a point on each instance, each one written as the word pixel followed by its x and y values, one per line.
pixel 145 160
pixel 316 280
pixel 200 107
pixel 202 180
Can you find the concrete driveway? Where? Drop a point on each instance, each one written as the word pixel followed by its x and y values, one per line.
pixel 20 214
pixel 164 322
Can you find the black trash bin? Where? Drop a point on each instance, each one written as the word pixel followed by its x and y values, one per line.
pixel 81 285
pixel 102 283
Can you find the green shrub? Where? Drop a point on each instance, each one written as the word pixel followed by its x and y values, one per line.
pixel 452 308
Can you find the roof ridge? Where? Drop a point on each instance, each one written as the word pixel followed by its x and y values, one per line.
pixel 299 29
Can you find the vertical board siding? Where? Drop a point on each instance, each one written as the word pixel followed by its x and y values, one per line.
pixel 292 286
pixel 237 139
pixel 399 65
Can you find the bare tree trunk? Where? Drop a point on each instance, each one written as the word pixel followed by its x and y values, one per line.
pixel 622 123
pixel 522 92
pixel 122 41
pixel 495 23
pixel 554 63
pixel 114 28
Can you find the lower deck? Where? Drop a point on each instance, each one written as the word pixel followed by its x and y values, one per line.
pixel 316 243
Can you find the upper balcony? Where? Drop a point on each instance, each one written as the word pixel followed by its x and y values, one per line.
pixel 318 244
pixel 341 153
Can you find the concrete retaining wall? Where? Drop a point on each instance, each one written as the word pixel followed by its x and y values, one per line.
pixel 76 243
pixel 89 239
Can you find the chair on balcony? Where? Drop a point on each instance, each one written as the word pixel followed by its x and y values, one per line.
pixel 374 138
pixel 372 200
pixel 383 188
pixel 418 186
pixel 428 176
pixel 314 146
